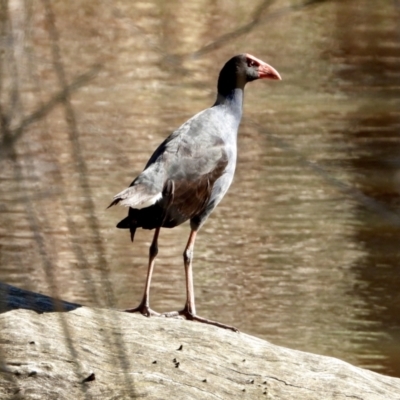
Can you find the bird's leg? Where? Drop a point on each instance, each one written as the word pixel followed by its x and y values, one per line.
pixel 190 306
pixel 189 311
pixel 144 306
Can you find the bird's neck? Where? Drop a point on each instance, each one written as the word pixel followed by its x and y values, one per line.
pixel 232 100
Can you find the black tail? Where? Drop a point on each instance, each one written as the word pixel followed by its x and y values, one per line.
pixel 124 224
pixel 127 223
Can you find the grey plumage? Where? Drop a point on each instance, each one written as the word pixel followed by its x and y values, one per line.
pixel 190 172
pixel 199 162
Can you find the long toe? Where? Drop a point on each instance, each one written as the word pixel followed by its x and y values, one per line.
pixel 211 322
pixel 192 317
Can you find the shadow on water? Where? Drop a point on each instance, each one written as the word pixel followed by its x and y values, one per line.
pixel 15 298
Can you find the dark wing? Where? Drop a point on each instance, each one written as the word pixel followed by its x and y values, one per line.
pixel 193 179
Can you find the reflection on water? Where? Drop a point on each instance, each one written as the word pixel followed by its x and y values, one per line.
pixel 303 251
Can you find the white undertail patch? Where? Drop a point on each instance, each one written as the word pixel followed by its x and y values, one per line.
pixel 141 202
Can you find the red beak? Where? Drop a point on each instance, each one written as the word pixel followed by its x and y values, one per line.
pixel 265 71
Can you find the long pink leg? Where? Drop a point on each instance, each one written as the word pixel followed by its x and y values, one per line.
pixel 144 306
pixel 189 310
pixel 190 306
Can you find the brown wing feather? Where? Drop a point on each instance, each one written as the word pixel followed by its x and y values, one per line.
pixel 190 197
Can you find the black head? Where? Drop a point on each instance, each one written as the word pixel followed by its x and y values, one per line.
pixel 241 69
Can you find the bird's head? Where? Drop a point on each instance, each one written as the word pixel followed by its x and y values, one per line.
pixel 244 68
pixel 256 69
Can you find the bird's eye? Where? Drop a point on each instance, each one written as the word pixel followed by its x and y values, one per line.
pixel 252 63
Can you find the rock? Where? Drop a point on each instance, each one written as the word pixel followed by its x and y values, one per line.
pixel 89 353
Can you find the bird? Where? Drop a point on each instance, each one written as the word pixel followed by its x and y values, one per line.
pixel 189 174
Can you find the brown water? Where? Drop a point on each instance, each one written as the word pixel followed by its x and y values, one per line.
pixel 304 249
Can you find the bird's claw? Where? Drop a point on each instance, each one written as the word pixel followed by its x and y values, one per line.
pixel 144 310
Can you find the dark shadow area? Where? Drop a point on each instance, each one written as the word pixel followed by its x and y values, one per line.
pixel 13 298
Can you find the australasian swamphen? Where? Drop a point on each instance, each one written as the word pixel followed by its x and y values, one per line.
pixel 190 172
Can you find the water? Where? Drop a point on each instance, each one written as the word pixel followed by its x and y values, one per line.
pixel 303 251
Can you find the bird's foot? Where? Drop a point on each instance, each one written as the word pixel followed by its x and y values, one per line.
pixel 193 317
pixel 144 310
